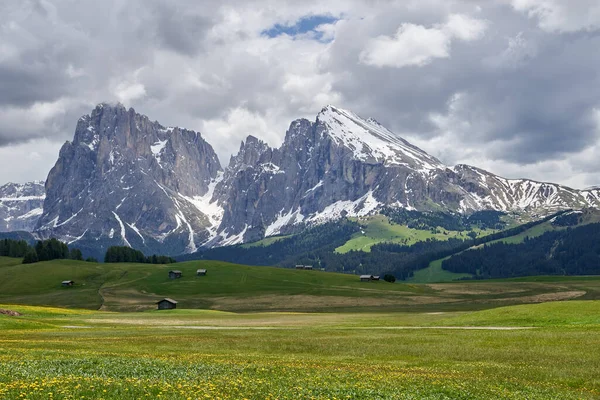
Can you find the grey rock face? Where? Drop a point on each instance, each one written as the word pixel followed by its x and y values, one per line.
pixel 125 180
pixel 344 165
pixel 21 206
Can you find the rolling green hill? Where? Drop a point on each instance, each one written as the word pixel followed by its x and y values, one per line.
pixel 435 273
pixel 379 229
pixel 230 287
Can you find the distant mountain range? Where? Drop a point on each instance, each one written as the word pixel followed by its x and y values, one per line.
pixel 21 206
pixel 126 180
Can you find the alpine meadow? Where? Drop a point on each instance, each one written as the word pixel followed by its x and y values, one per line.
pixel 281 200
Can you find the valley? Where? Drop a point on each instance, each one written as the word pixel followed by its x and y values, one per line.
pixel 252 332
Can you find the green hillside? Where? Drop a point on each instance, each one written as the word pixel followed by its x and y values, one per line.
pixel 379 229
pixel 138 286
pixel 435 273
pixel 230 287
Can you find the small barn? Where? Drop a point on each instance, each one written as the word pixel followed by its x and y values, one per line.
pixel 365 278
pixel 166 304
pixel 299 266
pixel 201 272
pixel 175 274
pixel 308 267
pixel 67 283
pixel 375 277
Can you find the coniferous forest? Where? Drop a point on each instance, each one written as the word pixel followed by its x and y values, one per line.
pixel 572 251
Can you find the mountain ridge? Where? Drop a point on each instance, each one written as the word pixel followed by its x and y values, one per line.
pixel 126 180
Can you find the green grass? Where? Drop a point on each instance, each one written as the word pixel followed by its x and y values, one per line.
pixel 434 273
pixel 378 229
pixel 183 354
pixel 8 261
pixel 238 288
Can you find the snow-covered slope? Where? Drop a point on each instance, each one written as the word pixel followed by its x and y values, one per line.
pixel 21 205
pixel 372 142
pixel 489 191
pixel 343 165
pixel 125 180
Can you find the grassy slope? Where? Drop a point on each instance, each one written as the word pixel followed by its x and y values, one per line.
pixel 435 273
pixel 378 229
pixel 207 354
pixel 131 287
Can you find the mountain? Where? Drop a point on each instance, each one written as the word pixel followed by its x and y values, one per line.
pixel 20 206
pixel 125 180
pixel 343 165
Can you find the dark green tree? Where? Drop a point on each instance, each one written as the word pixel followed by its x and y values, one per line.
pixel 75 254
pixel 30 256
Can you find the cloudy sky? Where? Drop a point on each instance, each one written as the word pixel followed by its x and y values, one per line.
pixel 511 86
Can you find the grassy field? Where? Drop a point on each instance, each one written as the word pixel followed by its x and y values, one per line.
pixel 230 287
pixel 434 273
pixel 378 229
pixel 541 351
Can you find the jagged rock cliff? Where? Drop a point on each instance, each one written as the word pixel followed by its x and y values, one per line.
pixel 344 165
pixel 125 180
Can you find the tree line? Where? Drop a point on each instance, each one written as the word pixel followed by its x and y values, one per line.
pixel 124 254
pixel 43 250
pixel 572 251
pixel 485 219
pixel 54 249
pixel 316 246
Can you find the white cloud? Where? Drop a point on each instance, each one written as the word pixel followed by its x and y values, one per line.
pixel 417 45
pixel 562 15
pixel 411 45
pixel 464 27
pixel 24 162
pixel 510 95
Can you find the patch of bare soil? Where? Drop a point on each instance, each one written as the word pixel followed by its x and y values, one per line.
pixel 473 289
pixel 307 302
pixel 544 297
pixel 10 313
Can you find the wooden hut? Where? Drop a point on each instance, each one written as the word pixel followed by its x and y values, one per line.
pixel 67 283
pixel 365 278
pixel 201 272
pixel 175 274
pixel 166 304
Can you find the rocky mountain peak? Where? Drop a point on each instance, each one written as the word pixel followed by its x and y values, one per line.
pixel 249 153
pixel 125 179
pixel 371 142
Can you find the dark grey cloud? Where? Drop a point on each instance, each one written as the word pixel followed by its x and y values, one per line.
pixel 535 97
pixel 523 94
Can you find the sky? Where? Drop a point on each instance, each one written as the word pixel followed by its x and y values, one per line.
pixel 510 86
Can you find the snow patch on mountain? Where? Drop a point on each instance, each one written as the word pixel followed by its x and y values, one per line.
pixel 290 218
pixel 370 140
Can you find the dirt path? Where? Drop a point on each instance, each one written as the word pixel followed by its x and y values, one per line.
pixel 482 328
